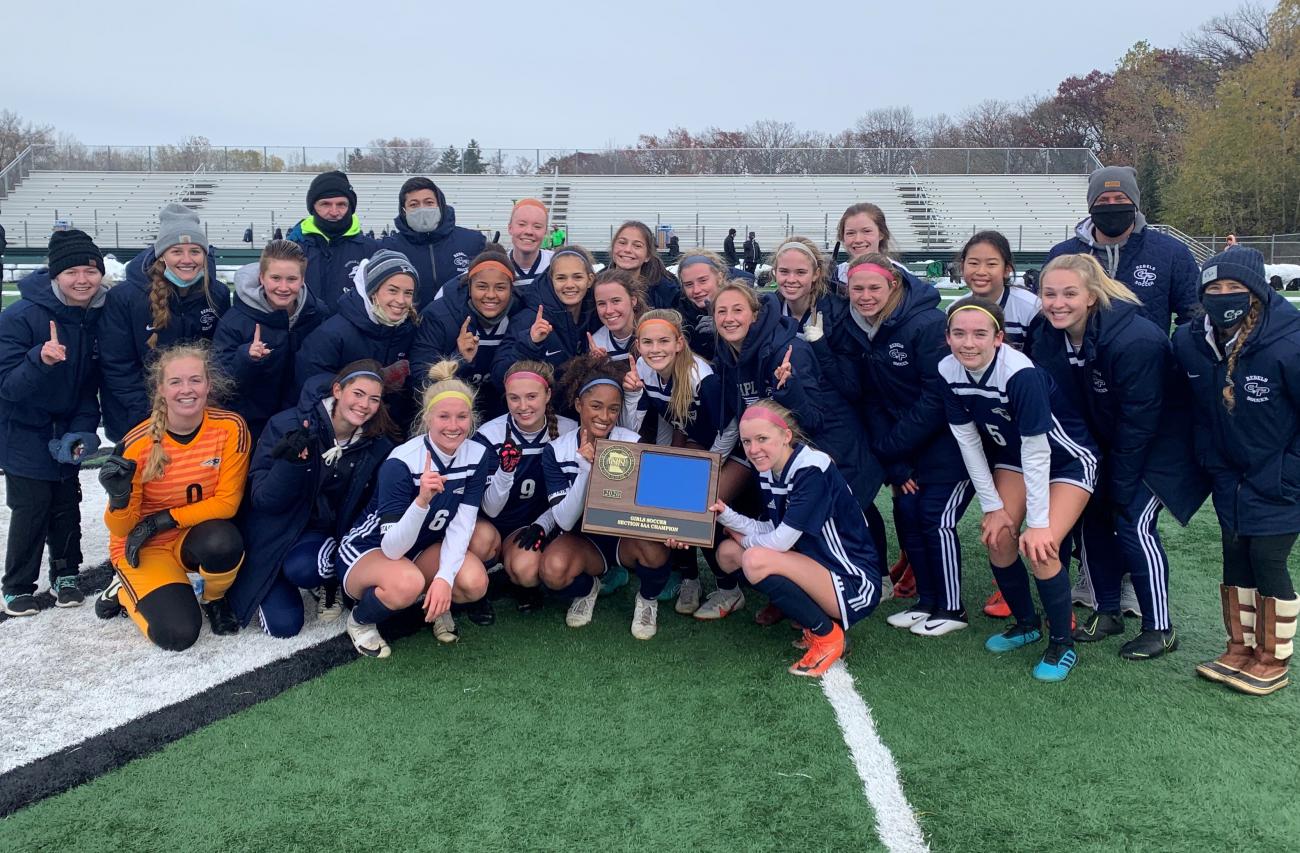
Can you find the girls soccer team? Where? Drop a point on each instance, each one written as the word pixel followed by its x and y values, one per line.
pixel 1073 420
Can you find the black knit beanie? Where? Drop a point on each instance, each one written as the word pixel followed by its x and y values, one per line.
pixel 73 248
pixel 331 185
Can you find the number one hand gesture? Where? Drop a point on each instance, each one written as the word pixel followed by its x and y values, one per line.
pixel 431 483
pixel 541 329
pixel 258 350
pixel 783 370
pixel 467 342
pixel 53 352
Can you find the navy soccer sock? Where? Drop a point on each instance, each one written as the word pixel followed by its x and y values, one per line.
pixel 723 580
pixel 653 580
pixel 1054 593
pixel 686 565
pixel 1013 581
pixel 579 587
pixel 370 610
pixel 796 604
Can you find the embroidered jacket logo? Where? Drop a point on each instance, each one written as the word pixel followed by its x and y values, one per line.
pixel 898 354
pixel 1256 389
pixel 1144 275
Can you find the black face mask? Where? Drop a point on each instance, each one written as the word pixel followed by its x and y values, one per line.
pixel 334 230
pixel 1113 219
pixel 1225 310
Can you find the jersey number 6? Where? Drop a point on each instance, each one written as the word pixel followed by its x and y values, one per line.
pixel 439 520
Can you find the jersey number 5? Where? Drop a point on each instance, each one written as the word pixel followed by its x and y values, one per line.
pixel 995 435
pixel 439 520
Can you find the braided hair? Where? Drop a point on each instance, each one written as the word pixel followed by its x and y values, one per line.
pixel 220 387
pixel 160 295
pixel 1247 326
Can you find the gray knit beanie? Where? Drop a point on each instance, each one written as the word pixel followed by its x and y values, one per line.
pixel 178 224
pixel 1111 178
pixel 385 264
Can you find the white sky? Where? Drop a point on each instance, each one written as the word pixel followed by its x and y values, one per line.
pixel 561 73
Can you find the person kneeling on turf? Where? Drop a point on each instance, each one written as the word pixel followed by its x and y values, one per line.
pixel 173 485
pixel 415 541
pixel 814 558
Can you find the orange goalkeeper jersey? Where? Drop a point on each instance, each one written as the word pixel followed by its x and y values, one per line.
pixel 204 479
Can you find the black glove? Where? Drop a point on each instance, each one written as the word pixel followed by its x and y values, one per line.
pixel 149 527
pixel 115 476
pixel 73 447
pixel 510 456
pixel 291 445
pixel 532 538
pixel 704 326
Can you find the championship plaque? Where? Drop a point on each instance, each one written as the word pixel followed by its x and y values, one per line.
pixel 644 491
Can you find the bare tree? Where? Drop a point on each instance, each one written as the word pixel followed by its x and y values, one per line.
pixel 1228 41
pixel 15 135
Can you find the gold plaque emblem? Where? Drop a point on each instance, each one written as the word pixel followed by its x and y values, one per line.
pixel 615 462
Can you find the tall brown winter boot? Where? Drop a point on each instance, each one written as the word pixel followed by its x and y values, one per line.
pixel 1274 632
pixel 1239 619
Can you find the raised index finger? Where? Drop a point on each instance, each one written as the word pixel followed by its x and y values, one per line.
pixel 54 332
pixel 788 351
pixel 428 464
pixel 464 327
pixel 539 313
pixel 257 333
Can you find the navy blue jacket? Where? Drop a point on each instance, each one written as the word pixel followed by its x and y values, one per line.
pixel 566 340
pixel 351 335
pixel 266 386
pixel 127 325
pixel 281 494
pixel 1155 266
pixel 664 292
pixel 331 263
pixel 823 413
pixel 1253 452
pixel 1143 431
pixel 440 323
pixel 40 402
pixel 440 255
pixel 894 379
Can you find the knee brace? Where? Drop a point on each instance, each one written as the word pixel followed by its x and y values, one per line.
pixel 173 616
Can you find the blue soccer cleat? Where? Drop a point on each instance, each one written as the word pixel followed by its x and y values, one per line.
pixel 1017 636
pixel 1057 662
pixel 615 577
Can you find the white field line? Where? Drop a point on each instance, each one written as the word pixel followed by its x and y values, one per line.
pixel 895 822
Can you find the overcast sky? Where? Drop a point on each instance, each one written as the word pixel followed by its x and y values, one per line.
pixel 562 73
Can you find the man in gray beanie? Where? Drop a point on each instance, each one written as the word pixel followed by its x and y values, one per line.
pixel 1155 266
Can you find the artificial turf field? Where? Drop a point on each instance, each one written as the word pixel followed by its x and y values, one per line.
pixel 530 736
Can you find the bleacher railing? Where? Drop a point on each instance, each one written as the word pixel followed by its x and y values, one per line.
pixel 560 162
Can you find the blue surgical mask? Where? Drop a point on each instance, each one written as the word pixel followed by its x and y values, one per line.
pixel 1225 310
pixel 180 282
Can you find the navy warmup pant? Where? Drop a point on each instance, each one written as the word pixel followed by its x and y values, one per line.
pixel 309 564
pixel 927 527
pixel 1126 540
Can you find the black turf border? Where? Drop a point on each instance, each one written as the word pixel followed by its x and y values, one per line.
pixel 68 768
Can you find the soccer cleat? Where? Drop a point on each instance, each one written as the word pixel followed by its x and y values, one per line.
pixel 1128 600
pixel 580 609
pixel 1098 626
pixel 941 622
pixel 1057 662
pixel 822 652
pixel 670 589
pixel 66 593
pixel 23 604
pixel 615 578
pixel 221 618
pixel 804 641
pixel 907 618
pixel 1082 593
pixel 905 583
pixel 720 604
pixel 107 605
pixel 645 619
pixel 530 599
pixel 366 639
pixel 481 612
pixel 328 604
pixel 768 616
pixel 996 606
pixel 1016 636
pixel 688 597
pixel 1149 644
pixel 444 628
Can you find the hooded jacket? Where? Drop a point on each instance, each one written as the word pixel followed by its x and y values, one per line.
pixel 1155 266
pixel 440 255
pixel 127 325
pixel 40 402
pixel 1252 453
pixel 567 338
pixel 267 385
pixel 282 494
pixel 1134 403
pixel 440 324
pixel 350 335
pixel 893 378
pixel 331 263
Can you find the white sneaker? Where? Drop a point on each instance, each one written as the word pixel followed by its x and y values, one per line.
pixel 645 619
pixel 329 604
pixel 1082 592
pixel 688 597
pixel 938 624
pixel 444 628
pixel 907 618
pixel 579 615
pixel 1128 600
pixel 366 639
pixel 720 604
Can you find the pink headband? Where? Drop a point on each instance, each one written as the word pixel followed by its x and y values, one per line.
pixel 765 414
pixel 876 268
pixel 528 374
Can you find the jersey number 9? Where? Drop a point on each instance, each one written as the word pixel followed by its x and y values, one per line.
pixel 527 488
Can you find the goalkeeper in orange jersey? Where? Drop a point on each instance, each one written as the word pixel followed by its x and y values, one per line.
pixel 174 484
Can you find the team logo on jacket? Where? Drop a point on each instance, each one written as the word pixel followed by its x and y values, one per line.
pixel 461 260
pixel 1256 389
pixel 898 355
pixel 207 319
pixel 1003 412
pixel 1099 382
pixel 1144 275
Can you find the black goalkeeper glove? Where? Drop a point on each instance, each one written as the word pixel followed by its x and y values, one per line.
pixel 115 476
pixel 292 445
pixel 149 527
pixel 532 538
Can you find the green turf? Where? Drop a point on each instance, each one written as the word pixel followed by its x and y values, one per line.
pixel 528 735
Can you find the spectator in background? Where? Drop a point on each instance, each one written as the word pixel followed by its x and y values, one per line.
pixel 729 248
pixel 425 231
pixel 248 236
pixel 3 242
pixel 1155 266
pixel 1232 240
pixel 555 239
pixel 332 239
pixel 674 248
pixel 752 253
pixel 278 234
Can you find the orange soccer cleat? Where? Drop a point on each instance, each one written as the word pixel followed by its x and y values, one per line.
pixel 822 653
pixel 996 606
